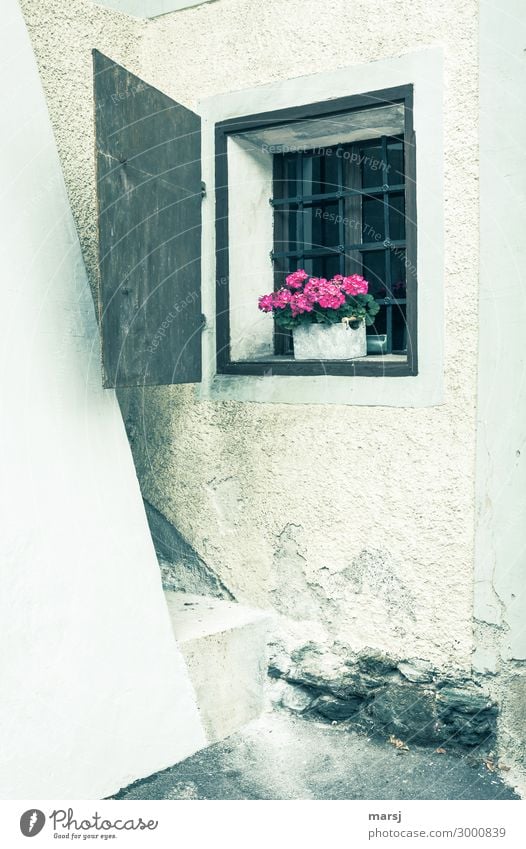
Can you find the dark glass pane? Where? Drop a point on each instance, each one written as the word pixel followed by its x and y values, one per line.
pixel 397 216
pixel 311 174
pixel 372 165
pixel 398 273
pixel 326 266
pixel 291 167
pixel 380 323
pixel 308 266
pixel 320 172
pixel 373 227
pixel 352 262
pixel 373 269
pixel 395 162
pixel 320 225
pixel 283 341
pixel 286 228
pixel 330 170
pixel 399 328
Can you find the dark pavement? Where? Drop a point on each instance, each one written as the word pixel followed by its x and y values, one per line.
pixel 283 757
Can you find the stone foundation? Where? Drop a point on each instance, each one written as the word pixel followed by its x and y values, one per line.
pixel 410 699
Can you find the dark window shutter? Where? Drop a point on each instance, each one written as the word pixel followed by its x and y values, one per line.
pixel 148 150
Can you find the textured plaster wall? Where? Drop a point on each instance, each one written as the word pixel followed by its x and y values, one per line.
pixel 63 34
pixel 357 523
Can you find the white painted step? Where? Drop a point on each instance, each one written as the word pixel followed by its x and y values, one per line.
pixel 225 647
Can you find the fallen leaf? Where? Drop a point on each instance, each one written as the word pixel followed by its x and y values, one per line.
pixel 440 751
pixel 398 744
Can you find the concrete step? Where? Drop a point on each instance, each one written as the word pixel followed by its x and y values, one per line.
pixel 225 647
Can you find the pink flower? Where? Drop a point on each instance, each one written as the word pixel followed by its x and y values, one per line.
pixel 282 298
pixel 300 303
pixel 266 303
pixel 355 285
pixel 326 294
pixel 295 280
pixel 331 301
pixel 330 295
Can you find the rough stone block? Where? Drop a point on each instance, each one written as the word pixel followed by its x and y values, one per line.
pixel 407 712
pixel 337 710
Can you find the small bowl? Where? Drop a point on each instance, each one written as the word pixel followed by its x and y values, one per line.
pixel 377 343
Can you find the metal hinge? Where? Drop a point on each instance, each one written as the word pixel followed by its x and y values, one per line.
pixel 203 189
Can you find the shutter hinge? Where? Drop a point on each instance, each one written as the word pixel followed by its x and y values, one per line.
pixel 203 321
pixel 203 189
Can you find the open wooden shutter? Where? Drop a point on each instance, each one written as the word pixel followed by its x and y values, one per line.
pixel 148 150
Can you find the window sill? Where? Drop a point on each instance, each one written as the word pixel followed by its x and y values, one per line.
pixel 373 365
pixel 375 389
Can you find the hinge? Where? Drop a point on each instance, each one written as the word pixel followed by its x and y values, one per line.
pixel 203 189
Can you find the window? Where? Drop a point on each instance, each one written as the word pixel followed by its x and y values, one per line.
pixel 329 188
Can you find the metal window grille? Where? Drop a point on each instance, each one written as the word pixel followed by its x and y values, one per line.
pixel 341 209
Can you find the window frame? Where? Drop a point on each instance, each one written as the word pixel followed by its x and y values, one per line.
pixel 372 366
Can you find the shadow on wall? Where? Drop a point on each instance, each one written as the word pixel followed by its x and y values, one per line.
pixel 181 567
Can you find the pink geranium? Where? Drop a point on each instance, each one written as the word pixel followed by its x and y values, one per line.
pixel 295 280
pixel 300 303
pixel 354 285
pixel 305 298
pixel 282 298
pixel 266 303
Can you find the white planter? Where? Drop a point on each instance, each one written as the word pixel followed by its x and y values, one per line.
pixel 329 342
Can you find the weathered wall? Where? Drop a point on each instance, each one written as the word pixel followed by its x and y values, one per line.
pixel 500 595
pixel 355 522
pixel 95 692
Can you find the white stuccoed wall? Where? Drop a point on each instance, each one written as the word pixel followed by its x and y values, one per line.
pixel 500 595
pixel 95 693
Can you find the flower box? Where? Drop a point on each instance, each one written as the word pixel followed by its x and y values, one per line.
pixel 329 341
